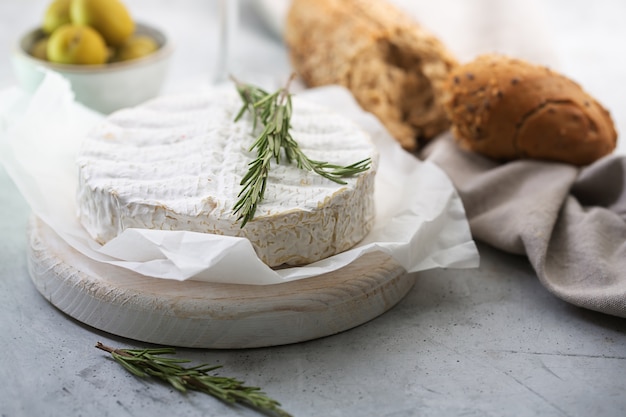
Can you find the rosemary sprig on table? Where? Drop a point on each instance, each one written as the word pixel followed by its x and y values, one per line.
pixel 149 362
pixel 273 112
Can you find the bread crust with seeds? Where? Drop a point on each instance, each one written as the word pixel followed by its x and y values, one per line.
pixel 393 66
pixel 507 108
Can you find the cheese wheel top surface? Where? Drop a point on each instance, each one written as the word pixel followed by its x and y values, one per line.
pixel 176 163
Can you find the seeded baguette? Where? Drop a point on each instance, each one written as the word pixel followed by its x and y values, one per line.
pixel 507 108
pixel 395 68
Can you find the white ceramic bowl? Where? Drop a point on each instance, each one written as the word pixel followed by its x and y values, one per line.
pixel 104 88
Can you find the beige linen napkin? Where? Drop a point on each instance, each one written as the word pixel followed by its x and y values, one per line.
pixel 570 222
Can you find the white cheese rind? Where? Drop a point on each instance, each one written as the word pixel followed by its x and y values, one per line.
pixel 175 163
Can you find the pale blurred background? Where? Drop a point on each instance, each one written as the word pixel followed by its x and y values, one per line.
pixel 582 39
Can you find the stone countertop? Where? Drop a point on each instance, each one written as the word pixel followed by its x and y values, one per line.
pixel 489 341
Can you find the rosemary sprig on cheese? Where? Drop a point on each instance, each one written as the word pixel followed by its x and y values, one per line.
pixel 149 362
pixel 272 113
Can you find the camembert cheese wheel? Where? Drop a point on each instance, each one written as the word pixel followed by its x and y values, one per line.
pixel 176 163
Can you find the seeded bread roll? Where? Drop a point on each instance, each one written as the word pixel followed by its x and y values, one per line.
pixel 507 108
pixel 394 67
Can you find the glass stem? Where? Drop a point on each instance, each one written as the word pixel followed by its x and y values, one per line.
pixel 228 15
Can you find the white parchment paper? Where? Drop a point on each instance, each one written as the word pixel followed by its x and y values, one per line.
pixel 420 218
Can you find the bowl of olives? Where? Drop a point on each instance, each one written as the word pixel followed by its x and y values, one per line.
pixel 110 61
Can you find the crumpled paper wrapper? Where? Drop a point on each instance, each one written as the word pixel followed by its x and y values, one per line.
pixel 420 219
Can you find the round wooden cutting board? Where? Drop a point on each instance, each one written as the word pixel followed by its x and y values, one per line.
pixel 210 315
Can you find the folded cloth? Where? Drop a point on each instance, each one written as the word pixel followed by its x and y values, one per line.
pixel 570 222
